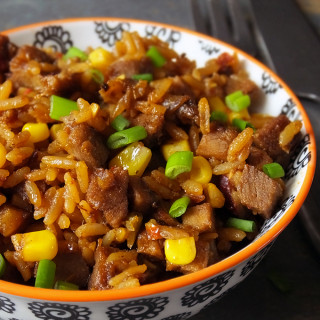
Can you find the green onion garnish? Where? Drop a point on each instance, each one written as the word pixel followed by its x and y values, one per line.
pixel 237 101
pixel 157 59
pixel 124 137
pixel 143 76
pixel 178 162
pixel 97 76
pixel 241 224
pixel 242 124
pixel 45 274
pixel 273 170
pixel 179 207
pixel 61 107
pixel 219 116
pixel 64 285
pixel 75 52
pixel 120 123
pixel 2 265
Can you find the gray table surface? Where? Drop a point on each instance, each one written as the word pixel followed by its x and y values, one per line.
pixel 291 256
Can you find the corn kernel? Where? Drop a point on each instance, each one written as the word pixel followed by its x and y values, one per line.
pixel 170 148
pixel 54 129
pixel 100 58
pixel 38 131
pixel 201 170
pixel 39 245
pixel 216 104
pixel 135 158
pixel 216 198
pixel 3 153
pixel 180 251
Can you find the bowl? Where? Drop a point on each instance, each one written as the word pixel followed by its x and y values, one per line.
pixel 184 296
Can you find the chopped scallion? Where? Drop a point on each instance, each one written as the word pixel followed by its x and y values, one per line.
pixel 178 162
pixel 97 76
pixel 237 101
pixel 75 52
pixel 219 116
pixel 179 207
pixel 273 170
pixel 45 274
pixel 241 224
pixel 124 137
pixel 242 124
pixel 2 265
pixel 157 59
pixel 64 285
pixel 61 107
pixel 120 123
pixel 143 76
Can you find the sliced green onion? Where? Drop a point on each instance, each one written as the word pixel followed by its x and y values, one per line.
pixel 237 101
pixel 45 274
pixel 2 265
pixel 219 116
pixel 143 76
pixel 64 285
pixel 273 170
pixel 124 137
pixel 157 59
pixel 120 123
pixel 242 124
pixel 61 107
pixel 178 162
pixel 97 76
pixel 75 52
pixel 179 207
pixel 241 224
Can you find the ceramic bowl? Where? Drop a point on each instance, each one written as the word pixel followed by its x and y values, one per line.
pixel 184 296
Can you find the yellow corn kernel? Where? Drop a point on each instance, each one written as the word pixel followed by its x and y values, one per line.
pixel 243 114
pixel 135 158
pixel 100 58
pixel 201 170
pixel 54 129
pixel 3 153
pixel 180 251
pixel 215 196
pixel 37 245
pixel 38 131
pixel 170 148
pixel 216 104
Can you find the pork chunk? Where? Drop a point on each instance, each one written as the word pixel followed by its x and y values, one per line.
pixel 258 157
pixel 215 144
pixel 103 270
pixel 140 196
pixel 87 144
pixel 130 67
pixel 258 192
pixel 107 193
pixel 151 248
pixel 199 217
pixel 267 138
pixel 12 219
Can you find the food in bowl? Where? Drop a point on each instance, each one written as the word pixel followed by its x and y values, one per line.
pixel 127 167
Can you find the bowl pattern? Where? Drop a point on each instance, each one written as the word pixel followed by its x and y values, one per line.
pixel 192 296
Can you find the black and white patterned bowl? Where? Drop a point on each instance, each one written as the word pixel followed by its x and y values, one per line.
pixel 184 296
